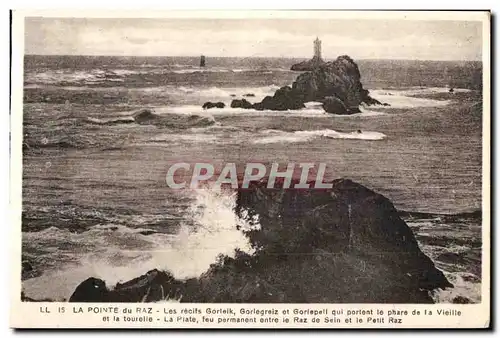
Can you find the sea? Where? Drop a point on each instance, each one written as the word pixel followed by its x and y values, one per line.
pixel 96 202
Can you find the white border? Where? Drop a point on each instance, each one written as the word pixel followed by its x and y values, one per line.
pixel 17 84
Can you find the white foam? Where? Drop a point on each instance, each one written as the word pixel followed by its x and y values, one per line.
pixel 124 253
pixel 463 288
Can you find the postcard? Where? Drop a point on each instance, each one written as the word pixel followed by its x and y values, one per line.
pixel 250 169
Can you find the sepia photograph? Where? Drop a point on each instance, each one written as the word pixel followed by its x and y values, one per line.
pixel 254 159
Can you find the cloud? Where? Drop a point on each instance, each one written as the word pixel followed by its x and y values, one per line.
pixel 180 38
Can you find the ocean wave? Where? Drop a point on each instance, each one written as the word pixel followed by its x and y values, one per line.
pixel 111 120
pixel 405 98
pixel 117 253
pixel 307 135
pixel 201 70
pixel 159 118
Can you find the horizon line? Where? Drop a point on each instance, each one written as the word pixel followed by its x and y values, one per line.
pixel 250 57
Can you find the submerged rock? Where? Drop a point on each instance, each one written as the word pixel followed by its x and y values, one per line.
pixel 345 244
pixel 91 290
pixel 241 104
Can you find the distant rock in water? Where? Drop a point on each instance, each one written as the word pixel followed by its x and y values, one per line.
pixel 335 84
pixel 147 116
pixel 249 95
pixel 308 65
pixel 241 104
pixel 346 244
pixel 209 105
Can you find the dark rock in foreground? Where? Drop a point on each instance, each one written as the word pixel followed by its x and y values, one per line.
pixel 346 244
pixel 333 105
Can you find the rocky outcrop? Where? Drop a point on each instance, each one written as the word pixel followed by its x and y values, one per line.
pixel 339 78
pixel 333 105
pixel 209 105
pixel 345 244
pixel 336 84
pixel 308 65
pixel 283 99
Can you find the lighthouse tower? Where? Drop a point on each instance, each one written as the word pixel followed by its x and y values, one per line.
pixel 317 49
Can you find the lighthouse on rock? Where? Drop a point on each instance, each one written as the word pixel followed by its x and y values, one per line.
pixel 317 49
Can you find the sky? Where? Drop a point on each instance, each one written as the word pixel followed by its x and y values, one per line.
pixel 361 39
